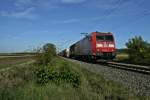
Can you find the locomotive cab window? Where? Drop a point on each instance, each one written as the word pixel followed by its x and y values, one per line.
pixel 104 38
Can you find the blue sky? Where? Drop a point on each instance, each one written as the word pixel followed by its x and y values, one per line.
pixel 27 24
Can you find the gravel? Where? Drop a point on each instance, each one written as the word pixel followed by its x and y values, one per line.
pixel 135 82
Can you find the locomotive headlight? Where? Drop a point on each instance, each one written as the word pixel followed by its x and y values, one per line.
pixel 111 45
pixel 99 45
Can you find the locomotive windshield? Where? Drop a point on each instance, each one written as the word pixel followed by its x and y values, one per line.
pixel 104 38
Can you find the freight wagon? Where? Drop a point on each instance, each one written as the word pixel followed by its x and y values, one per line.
pixel 64 53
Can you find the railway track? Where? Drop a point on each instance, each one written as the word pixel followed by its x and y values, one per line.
pixel 129 67
pixel 138 81
pixel 124 66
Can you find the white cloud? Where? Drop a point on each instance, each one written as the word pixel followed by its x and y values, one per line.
pixel 24 1
pixel 70 21
pixel 67 21
pixel 28 13
pixel 73 1
pixel 43 3
pixel 39 4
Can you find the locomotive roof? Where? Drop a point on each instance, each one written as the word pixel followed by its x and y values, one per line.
pixel 100 33
pixel 103 32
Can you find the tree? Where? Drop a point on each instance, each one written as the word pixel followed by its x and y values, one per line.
pixel 46 54
pixel 139 50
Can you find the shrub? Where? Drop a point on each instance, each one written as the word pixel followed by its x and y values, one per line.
pixel 138 50
pixel 42 75
pixel 65 74
pixel 46 54
pixel 58 74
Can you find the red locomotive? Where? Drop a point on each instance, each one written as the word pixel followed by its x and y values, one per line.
pixel 96 45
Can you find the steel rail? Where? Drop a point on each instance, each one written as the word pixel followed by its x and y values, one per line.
pixel 124 66
pixel 130 67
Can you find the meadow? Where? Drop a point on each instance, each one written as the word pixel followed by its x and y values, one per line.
pixel 122 57
pixel 20 82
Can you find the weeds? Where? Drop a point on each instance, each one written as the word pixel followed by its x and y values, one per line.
pixel 62 73
pixel 67 81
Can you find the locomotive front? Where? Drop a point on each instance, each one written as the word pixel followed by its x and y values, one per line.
pixel 104 45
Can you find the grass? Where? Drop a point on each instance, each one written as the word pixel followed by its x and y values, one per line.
pixel 13 61
pixel 121 57
pixel 20 84
pixel 124 58
pixel 16 76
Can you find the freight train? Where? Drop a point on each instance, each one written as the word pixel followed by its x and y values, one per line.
pixel 97 45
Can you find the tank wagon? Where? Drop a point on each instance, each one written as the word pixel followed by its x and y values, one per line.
pixel 97 45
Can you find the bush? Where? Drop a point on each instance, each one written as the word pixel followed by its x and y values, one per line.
pixel 42 75
pixel 46 54
pixel 62 73
pixel 47 69
pixel 65 74
pixel 138 50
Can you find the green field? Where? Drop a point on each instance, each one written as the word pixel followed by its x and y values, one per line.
pixel 11 61
pixel 122 57
pixel 19 83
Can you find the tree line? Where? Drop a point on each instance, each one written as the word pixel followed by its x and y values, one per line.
pixel 138 50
